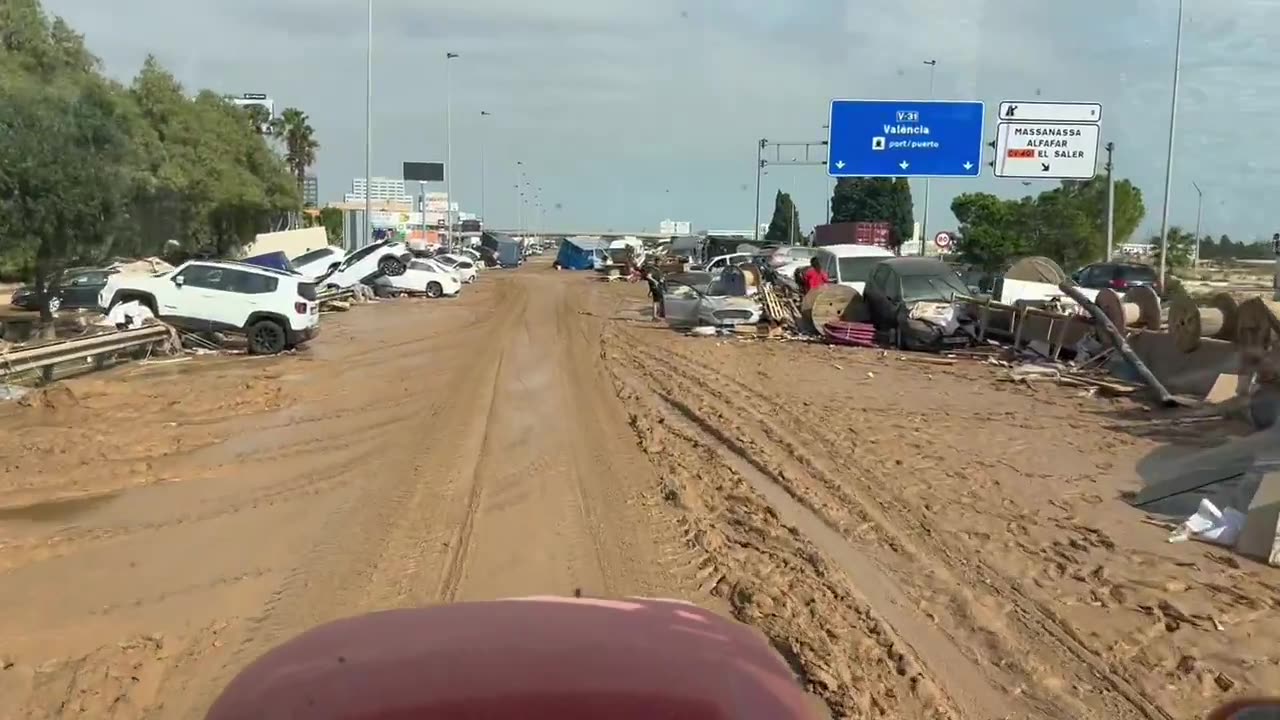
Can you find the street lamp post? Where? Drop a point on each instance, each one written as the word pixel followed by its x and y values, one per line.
pixel 1168 165
pixel 483 114
pixel 924 220
pixel 828 183
pixel 1195 258
pixel 519 198
pixel 448 148
pixel 368 133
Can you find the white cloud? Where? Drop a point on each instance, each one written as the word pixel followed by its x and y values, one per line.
pixel 613 103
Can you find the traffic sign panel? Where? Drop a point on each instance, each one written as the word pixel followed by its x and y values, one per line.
pixel 1074 112
pixel 942 240
pixel 905 138
pixel 1054 151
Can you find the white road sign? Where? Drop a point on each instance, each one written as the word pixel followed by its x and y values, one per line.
pixel 1076 112
pixel 1051 151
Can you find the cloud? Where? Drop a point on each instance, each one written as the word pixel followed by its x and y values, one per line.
pixel 625 112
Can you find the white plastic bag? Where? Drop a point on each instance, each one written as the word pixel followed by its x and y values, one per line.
pixel 1208 524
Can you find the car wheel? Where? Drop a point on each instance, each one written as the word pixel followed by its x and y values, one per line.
pixel 391 267
pixel 266 337
pixel 55 302
pixel 434 290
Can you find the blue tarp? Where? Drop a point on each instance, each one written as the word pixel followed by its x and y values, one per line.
pixel 577 253
pixel 274 260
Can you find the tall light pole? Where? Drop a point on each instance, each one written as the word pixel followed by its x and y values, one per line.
pixel 519 197
pixel 1195 259
pixel 1111 201
pixel 483 114
pixel 755 234
pixel 924 220
pixel 368 134
pixel 1168 165
pixel 829 183
pixel 448 148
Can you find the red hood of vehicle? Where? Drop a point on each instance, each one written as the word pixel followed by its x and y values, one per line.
pixel 525 659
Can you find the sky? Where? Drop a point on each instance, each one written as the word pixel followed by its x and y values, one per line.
pixel 624 113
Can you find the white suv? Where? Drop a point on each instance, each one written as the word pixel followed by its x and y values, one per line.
pixel 274 310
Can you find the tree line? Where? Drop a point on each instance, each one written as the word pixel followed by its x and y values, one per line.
pixel 92 169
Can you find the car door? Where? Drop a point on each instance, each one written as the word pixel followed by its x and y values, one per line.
pixel 188 303
pixel 876 293
pixel 238 294
pixel 680 304
pixel 81 291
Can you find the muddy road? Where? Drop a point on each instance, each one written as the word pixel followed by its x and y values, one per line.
pixel 163 523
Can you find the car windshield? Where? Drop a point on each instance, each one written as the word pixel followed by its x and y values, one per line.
pixel 945 287
pixel 857 269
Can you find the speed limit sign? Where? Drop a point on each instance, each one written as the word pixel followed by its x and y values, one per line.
pixel 942 240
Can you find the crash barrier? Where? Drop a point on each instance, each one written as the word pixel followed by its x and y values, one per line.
pixel 1188 322
pixel 46 355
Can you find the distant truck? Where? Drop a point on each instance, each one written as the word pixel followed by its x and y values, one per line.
pixel 878 234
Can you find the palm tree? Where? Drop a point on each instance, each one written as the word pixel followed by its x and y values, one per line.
pixel 300 146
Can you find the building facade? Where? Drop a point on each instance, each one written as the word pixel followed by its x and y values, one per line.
pixel 380 189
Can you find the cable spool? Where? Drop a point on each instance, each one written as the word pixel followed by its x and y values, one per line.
pixel 1139 308
pixel 1189 322
pixel 1257 327
pixel 825 304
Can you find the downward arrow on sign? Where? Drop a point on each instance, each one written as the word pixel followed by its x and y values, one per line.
pixel 904 164
pixel 839 164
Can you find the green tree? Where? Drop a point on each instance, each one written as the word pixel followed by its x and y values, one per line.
pixel 331 220
pixel 875 200
pixel 991 230
pixel 1181 246
pixel 784 228
pixel 64 191
pixel 294 129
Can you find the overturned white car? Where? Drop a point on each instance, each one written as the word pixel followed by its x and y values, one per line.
pixel 694 299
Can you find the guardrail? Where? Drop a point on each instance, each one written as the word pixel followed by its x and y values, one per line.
pixel 341 294
pixel 46 355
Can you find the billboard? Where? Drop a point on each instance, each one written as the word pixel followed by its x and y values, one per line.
pixel 260 99
pixel 424 171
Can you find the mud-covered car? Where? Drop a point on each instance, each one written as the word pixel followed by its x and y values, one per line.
pixel 912 300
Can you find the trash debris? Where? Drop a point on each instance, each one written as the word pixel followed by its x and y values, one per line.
pixel 1211 525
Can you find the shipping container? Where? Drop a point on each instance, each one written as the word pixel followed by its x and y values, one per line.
pixel 853 233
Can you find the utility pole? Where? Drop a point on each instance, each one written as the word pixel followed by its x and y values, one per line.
pixel 1195 257
pixel 1111 202
pixel 368 137
pixel 448 148
pixel 759 166
pixel 483 114
pixel 924 220
pixel 1168 167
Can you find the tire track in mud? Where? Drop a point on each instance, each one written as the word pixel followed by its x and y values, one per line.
pixel 365 537
pixel 1037 622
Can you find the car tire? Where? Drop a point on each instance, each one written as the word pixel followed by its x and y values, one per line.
pixel 266 337
pixel 434 289
pixel 391 267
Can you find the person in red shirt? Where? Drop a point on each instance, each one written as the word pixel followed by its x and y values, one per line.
pixel 814 278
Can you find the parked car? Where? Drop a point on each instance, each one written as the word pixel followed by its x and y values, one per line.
pixel 385 258
pixel 429 277
pixel 320 262
pixel 912 299
pixel 703 298
pixel 77 290
pixel 274 310
pixel 716 264
pixel 464 266
pixel 850 265
pixel 1117 276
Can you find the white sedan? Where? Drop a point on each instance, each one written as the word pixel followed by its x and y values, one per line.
pixel 463 265
pixel 425 276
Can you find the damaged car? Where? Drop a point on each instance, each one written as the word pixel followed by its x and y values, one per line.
pixel 694 299
pixel 912 300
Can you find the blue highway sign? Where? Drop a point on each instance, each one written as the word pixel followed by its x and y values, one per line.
pixel 905 138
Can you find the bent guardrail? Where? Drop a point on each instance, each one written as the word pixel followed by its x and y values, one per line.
pixel 45 356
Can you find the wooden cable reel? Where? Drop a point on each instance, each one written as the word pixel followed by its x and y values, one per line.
pixel 1188 322
pixel 1257 327
pixel 1140 307
pixel 825 304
